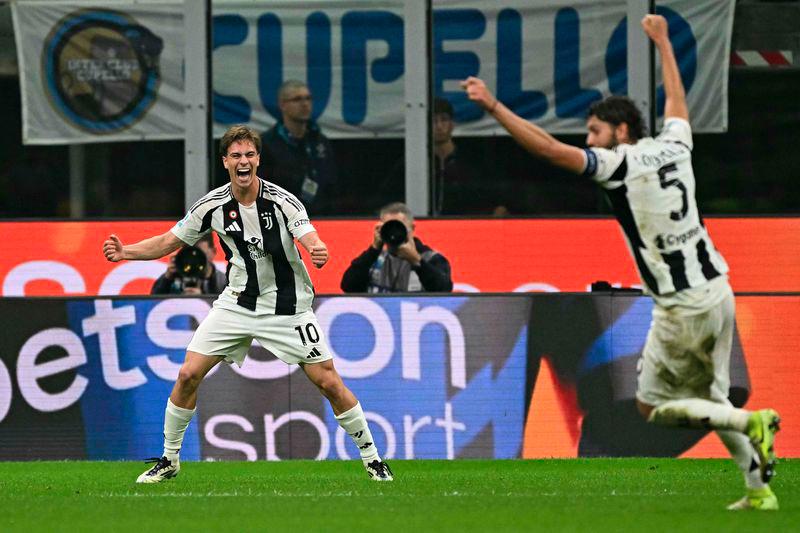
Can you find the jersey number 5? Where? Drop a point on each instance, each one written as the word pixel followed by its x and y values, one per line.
pixel 674 182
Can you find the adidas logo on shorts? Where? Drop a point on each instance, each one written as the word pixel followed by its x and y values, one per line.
pixel 313 354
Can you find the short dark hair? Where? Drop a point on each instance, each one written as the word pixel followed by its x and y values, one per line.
pixel 618 109
pixel 238 133
pixel 397 207
pixel 442 106
pixel 288 85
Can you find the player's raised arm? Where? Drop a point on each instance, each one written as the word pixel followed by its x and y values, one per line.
pixel 152 248
pixel 531 137
pixel 655 26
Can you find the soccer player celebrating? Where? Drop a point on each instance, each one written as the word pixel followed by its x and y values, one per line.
pixel 684 371
pixel 268 296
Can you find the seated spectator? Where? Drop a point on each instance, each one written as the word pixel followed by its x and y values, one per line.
pixel 192 271
pixel 295 154
pixel 459 179
pixel 396 260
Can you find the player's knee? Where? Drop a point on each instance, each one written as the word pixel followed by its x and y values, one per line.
pixel 188 378
pixel 328 387
pixel 331 386
pixel 644 409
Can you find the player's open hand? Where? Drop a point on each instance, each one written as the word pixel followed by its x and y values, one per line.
pixel 655 26
pixel 319 254
pixel 112 248
pixel 478 92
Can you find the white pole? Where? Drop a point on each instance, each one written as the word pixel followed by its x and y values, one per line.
pixel 417 90
pixel 641 79
pixel 77 180
pixel 197 134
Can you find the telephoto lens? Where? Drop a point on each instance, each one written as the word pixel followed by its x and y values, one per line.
pixel 394 233
pixel 190 262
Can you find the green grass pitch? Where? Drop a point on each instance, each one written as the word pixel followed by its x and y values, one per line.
pixel 594 495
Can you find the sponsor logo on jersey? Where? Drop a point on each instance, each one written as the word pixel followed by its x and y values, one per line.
pixel 101 69
pixel 233 226
pixel 669 240
pixel 254 248
pixel 301 222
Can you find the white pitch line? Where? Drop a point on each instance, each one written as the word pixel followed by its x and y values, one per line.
pixel 225 494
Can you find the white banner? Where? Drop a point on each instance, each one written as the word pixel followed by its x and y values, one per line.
pixel 106 71
pixel 96 74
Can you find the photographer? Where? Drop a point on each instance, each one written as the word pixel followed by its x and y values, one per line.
pixel 396 261
pixel 192 271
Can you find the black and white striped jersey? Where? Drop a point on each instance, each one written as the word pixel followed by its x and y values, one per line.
pixel 651 188
pixel 265 269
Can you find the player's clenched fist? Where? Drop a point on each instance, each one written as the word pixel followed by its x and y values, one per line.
pixel 478 92
pixel 655 26
pixel 319 254
pixel 112 249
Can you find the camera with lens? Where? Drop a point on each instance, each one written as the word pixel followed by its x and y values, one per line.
pixel 394 233
pixel 190 266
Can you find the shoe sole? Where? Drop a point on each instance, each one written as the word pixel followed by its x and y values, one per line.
pixel 753 506
pixel 152 480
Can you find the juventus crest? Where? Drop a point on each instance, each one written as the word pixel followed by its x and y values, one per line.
pixel 266 219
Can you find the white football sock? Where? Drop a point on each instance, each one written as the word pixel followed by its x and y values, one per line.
pixel 355 424
pixel 176 420
pixel 744 456
pixel 697 413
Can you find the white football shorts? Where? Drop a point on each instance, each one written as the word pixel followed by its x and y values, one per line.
pixel 229 330
pixel 687 356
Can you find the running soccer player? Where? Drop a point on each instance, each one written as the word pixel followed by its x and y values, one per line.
pixel 684 370
pixel 268 297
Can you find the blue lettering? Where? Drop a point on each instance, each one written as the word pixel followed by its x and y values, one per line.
pixel 527 104
pixel 229 30
pixel 358 28
pixel 270 62
pixel 683 42
pixel 617 59
pixel 456 25
pixel 318 56
pixel 571 100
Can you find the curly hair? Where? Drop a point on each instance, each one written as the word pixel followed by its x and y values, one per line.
pixel 618 109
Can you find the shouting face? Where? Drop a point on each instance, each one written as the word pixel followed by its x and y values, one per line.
pixel 241 162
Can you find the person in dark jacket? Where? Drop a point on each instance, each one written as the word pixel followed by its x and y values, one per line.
pixel 211 281
pixel 407 267
pixel 295 152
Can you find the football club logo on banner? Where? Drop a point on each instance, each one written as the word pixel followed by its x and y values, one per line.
pixel 100 69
